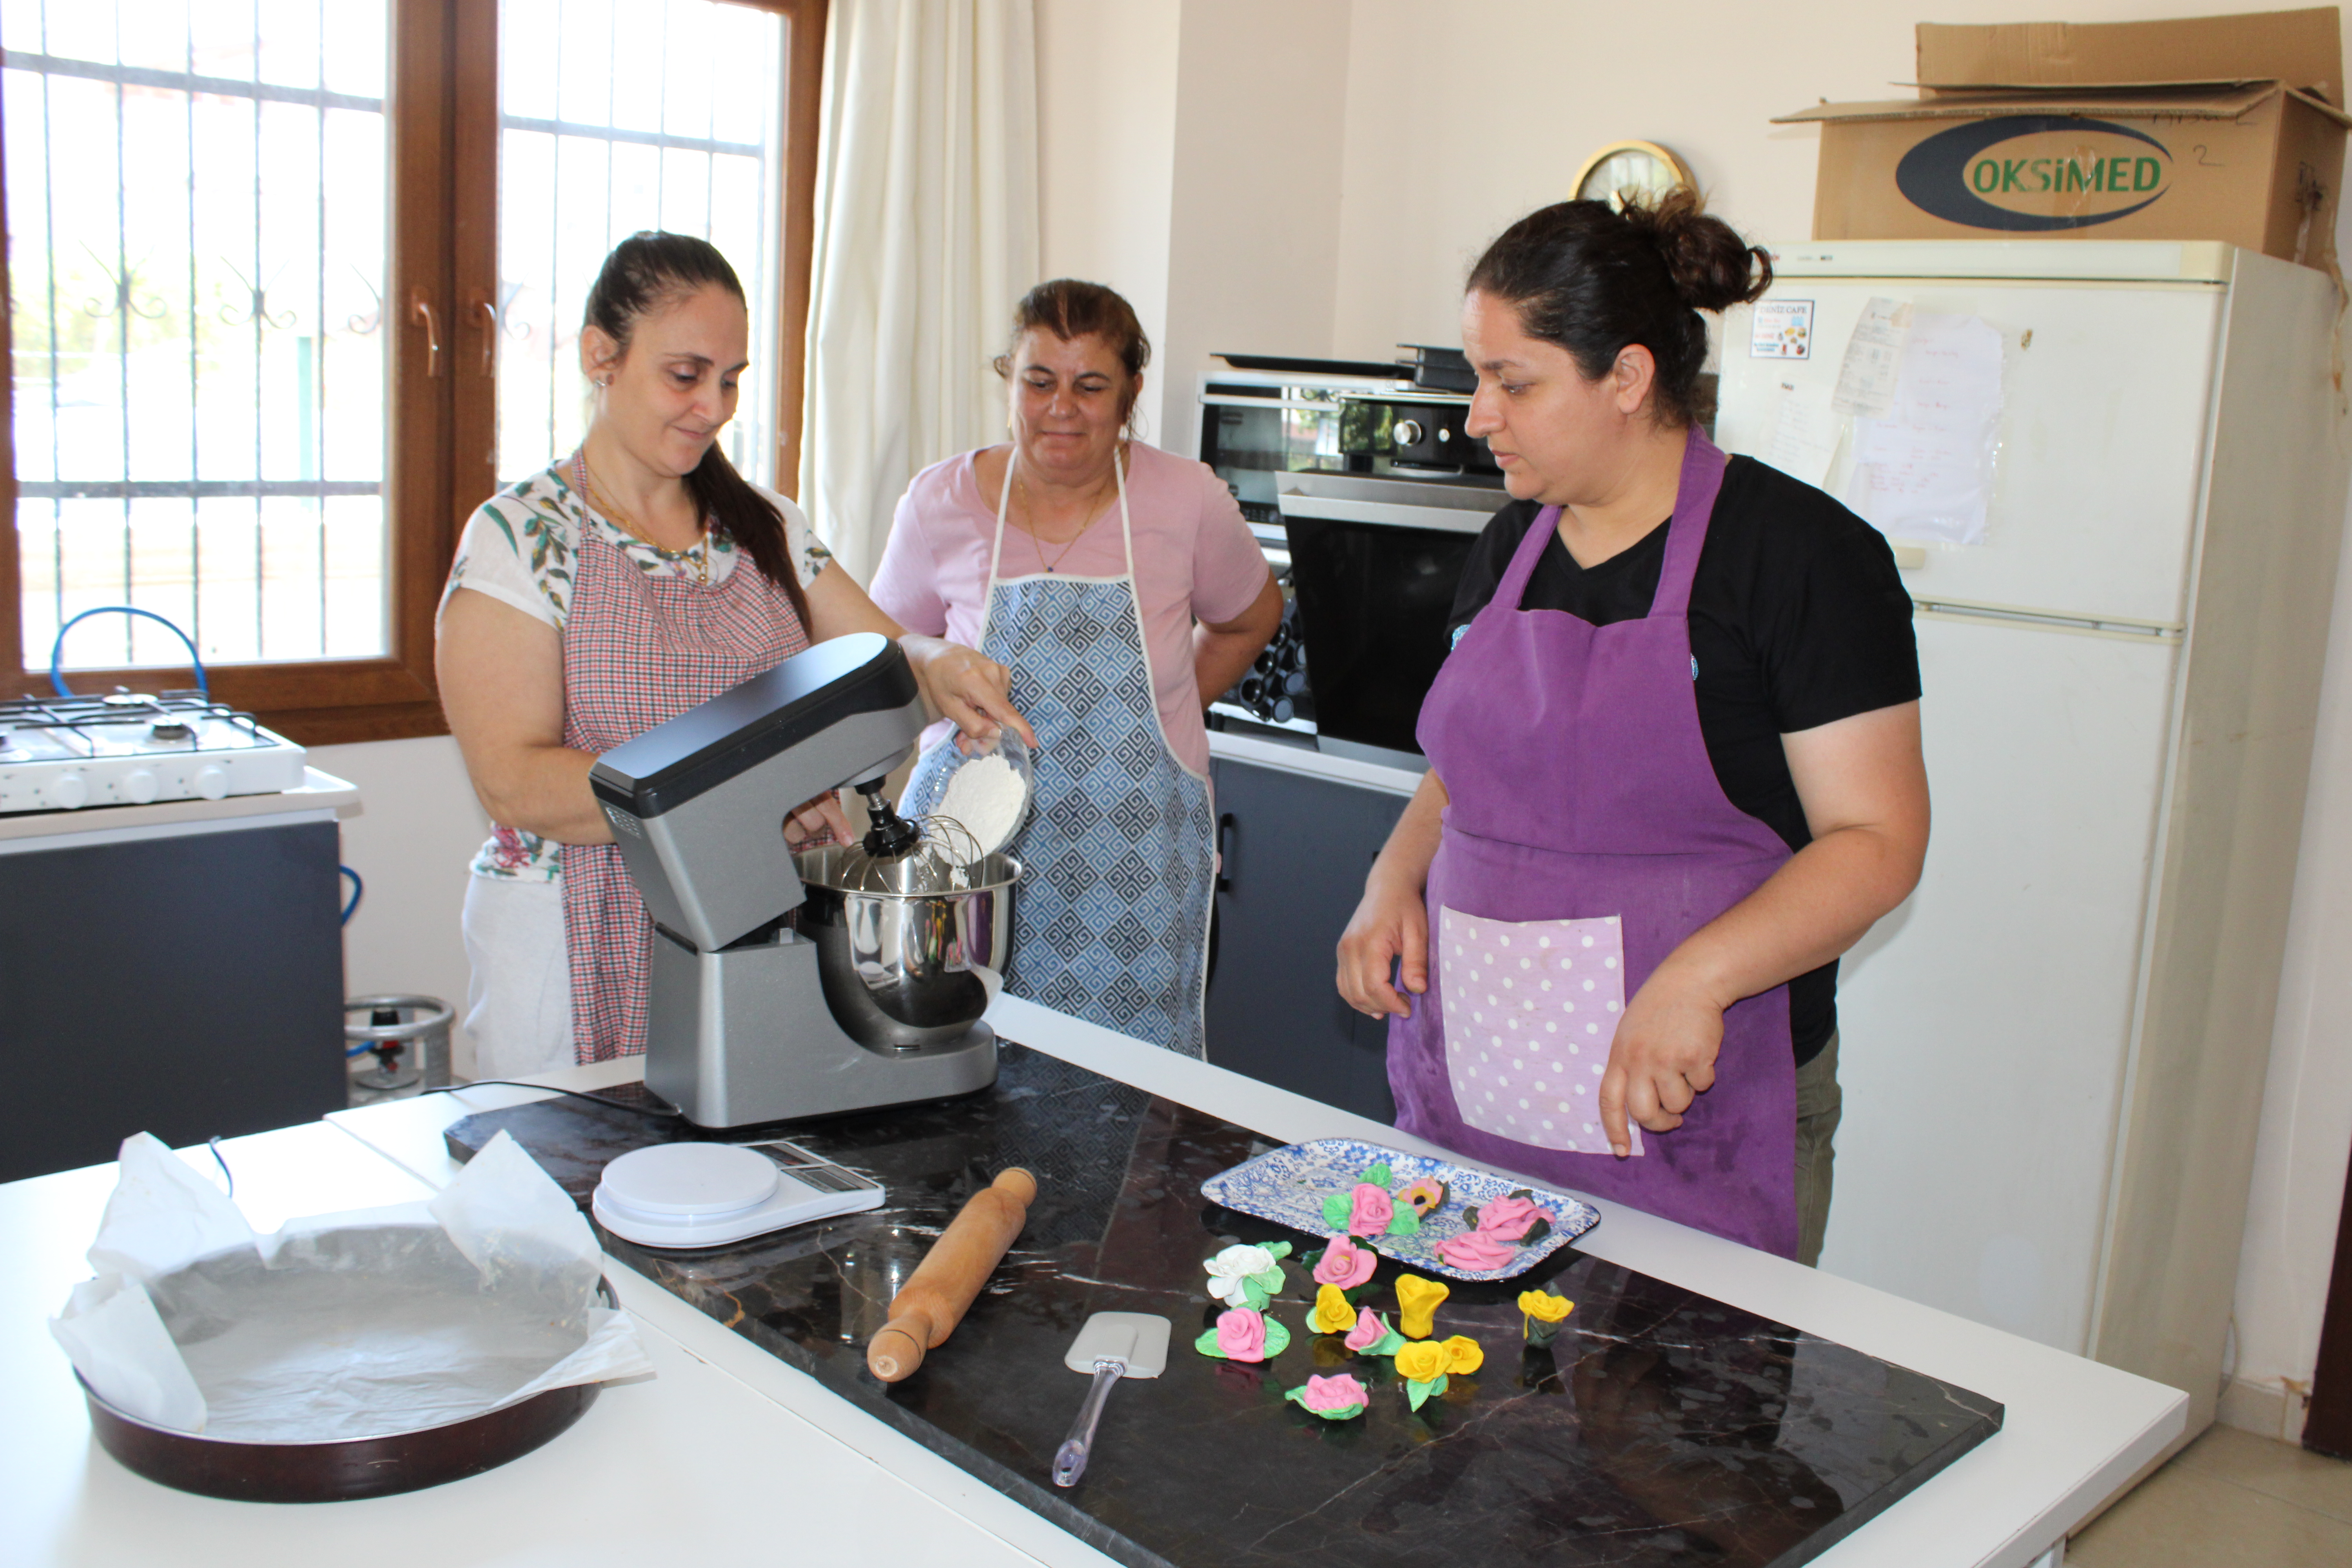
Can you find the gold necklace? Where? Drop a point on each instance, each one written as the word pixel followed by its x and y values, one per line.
pixel 698 553
pixel 1036 541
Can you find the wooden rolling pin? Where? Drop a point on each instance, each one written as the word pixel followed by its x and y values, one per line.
pixel 926 1311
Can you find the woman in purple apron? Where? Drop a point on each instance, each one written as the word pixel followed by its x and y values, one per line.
pixel 1674 763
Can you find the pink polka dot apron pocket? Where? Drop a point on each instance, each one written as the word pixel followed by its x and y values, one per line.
pixel 1530 1008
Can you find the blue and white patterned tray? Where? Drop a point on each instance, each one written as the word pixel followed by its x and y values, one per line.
pixel 1287 1185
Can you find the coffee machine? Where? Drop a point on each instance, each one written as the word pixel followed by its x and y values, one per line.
pixel 751 989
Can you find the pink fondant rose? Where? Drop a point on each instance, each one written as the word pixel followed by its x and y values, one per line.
pixel 1240 1334
pixel 1475 1250
pixel 1508 1219
pixel 1372 1211
pixel 1338 1392
pixel 1345 1264
pixel 1369 1331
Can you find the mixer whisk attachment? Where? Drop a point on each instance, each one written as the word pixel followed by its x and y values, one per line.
pixel 919 856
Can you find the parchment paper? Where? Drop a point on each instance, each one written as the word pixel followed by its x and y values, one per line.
pixel 347 1325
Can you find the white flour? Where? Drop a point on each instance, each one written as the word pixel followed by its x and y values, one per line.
pixel 988 797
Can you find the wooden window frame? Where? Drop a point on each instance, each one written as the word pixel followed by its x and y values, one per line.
pixel 442 126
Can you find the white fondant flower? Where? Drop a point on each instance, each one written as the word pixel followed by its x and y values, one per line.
pixel 1231 1269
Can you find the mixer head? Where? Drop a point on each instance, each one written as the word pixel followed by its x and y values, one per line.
pixel 921 856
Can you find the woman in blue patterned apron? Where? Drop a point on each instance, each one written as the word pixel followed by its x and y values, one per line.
pixel 1120 585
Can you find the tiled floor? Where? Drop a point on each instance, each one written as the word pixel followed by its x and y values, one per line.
pixel 2228 1497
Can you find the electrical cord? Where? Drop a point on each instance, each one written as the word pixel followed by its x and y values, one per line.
pixel 226 1174
pixel 58 647
pixel 664 1110
pixel 359 889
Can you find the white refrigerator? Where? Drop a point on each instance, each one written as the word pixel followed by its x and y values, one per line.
pixel 2052 1053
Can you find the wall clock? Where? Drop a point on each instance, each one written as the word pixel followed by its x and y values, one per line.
pixel 1641 168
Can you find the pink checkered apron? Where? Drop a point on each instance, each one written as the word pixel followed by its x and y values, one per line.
pixel 638 651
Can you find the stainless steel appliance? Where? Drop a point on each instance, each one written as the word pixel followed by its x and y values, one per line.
pixel 1266 418
pixel 1366 495
pixel 755 1013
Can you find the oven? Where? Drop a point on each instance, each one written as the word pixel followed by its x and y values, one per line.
pixel 1366 493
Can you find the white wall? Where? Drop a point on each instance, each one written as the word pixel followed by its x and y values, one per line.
pixel 417 828
pixel 1106 148
pixel 1452 117
pixel 1182 158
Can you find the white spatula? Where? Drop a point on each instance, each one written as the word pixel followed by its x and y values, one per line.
pixel 1111 1345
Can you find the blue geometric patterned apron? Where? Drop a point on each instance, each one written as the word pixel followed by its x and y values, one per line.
pixel 1111 923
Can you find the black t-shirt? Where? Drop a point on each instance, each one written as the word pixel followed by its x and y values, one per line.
pixel 1797 619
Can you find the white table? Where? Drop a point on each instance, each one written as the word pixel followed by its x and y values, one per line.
pixel 732 1449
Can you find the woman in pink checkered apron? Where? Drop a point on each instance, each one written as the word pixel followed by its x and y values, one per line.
pixel 624 584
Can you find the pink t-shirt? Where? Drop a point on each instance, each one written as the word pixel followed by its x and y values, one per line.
pixel 1194 559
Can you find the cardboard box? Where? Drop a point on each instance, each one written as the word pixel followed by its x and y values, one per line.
pixel 2223 128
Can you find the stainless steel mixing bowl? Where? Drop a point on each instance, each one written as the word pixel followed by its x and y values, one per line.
pixel 902 970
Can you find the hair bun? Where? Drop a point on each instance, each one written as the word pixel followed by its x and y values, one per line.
pixel 1711 266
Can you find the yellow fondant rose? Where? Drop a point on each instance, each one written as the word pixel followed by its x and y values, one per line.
pixel 1462 1354
pixel 1422 1362
pixel 1417 1301
pixel 1332 1315
pixel 1544 1307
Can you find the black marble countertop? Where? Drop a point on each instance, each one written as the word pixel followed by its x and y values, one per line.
pixel 1661 1427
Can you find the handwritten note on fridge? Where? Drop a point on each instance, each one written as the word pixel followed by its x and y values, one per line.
pixel 1804 435
pixel 1923 467
pixel 1866 383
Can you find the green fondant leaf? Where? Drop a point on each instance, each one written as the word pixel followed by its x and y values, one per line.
pixel 1277 1340
pixel 1404 1222
pixel 1415 1392
pixel 1376 1175
pixel 1269 1280
pixel 1335 1210
pixel 1277 1251
pixel 1390 1344
pixel 1207 1345
pixel 1253 1296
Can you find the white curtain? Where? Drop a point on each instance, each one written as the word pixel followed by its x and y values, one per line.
pixel 925 236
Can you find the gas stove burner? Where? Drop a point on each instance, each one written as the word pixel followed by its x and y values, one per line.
pixel 132 748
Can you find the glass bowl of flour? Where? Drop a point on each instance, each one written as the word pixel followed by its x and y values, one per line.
pixel 984 786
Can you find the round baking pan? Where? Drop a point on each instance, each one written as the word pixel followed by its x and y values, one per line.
pixel 342 1470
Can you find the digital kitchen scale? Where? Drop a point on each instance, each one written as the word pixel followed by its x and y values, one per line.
pixel 708 1194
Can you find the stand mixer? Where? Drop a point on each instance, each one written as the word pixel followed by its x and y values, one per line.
pixel 768 1004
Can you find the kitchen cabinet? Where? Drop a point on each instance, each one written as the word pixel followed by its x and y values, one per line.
pixel 1296 848
pixel 174 968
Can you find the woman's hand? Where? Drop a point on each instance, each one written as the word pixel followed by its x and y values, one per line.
pixel 822 815
pixel 1865 790
pixel 957 683
pixel 965 685
pixel 1662 1057
pixel 1391 924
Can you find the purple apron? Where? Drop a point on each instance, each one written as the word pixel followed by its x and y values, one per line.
pixel 1586 838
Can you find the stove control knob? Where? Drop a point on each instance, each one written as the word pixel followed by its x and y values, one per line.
pixel 1407 432
pixel 211 781
pixel 138 785
pixel 70 790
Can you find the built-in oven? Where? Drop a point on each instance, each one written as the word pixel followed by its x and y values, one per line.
pixel 1375 564
pixel 1331 416
pixel 1366 494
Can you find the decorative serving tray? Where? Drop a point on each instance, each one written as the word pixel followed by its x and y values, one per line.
pixel 1288 1186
